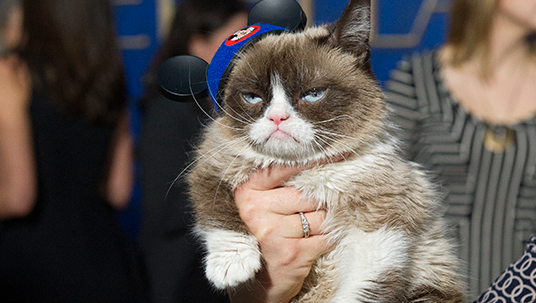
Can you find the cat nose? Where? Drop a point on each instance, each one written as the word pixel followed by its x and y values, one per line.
pixel 278 118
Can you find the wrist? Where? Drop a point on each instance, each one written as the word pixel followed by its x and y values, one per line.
pixel 264 289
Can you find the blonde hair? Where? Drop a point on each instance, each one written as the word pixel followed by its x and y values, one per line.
pixel 470 26
pixel 469 32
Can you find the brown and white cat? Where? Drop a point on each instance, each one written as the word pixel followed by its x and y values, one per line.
pixel 300 98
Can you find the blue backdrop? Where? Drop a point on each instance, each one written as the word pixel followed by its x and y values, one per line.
pixel 400 27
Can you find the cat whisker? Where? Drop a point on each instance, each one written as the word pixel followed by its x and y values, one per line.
pixel 206 157
pixel 326 132
pixel 225 173
pixel 211 117
pixel 299 71
pixel 334 119
pixel 236 141
pixel 240 118
pixel 201 107
pixel 222 147
pixel 325 151
pixel 322 148
pixel 320 145
pixel 249 119
pixel 244 120
pixel 348 148
pixel 250 67
pixel 221 109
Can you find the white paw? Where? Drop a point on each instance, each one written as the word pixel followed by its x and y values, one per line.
pixel 233 258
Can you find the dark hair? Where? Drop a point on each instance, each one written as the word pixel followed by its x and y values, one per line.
pixel 71 50
pixel 201 17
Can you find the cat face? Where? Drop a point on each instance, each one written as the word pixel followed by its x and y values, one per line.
pixel 305 96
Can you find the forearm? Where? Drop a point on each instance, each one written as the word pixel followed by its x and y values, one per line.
pixel 265 290
pixel 121 170
pixel 17 169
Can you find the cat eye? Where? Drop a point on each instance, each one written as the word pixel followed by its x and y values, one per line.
pixel 252 98
pixel 314 95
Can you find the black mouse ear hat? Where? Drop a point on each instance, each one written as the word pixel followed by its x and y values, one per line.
pixel 183 77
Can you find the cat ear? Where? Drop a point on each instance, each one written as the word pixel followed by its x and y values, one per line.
pixel 351 32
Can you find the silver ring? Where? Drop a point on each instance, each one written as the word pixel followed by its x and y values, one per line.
pixel 305 225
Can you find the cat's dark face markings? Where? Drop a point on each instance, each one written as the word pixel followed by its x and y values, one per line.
pixel 303 96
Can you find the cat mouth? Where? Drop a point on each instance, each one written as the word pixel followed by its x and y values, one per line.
pixel 282 136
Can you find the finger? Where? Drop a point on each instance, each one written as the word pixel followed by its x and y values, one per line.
pixel 282 201
pixel 291 226
pixel 277 200
pixel 291 252
pixel 272 177
pixel 316 246
pixel 268 226
pixel 275 176
pixel 289 201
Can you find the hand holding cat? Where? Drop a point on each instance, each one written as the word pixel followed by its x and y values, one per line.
pixel 270 211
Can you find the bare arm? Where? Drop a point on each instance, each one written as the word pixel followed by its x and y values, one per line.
pixel 270 212
pixel 120 180
pixel 17 168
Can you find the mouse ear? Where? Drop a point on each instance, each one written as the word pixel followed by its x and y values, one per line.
pixel 283 13
pixel 183 78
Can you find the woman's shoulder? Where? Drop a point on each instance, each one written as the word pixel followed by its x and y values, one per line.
pixel 412 67
pixel 413 79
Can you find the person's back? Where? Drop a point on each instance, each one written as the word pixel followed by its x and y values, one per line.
pixel 64 249
pixel 71 153
pixel 66 245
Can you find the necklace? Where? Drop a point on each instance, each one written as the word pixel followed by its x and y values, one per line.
pixel 497 138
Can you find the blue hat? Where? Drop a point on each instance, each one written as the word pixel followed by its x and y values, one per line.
pixel 182 77
pixel 224 60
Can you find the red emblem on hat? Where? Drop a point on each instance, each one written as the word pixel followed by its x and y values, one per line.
pixel 242 35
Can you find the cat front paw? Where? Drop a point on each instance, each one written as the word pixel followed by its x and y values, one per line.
pixel 233 258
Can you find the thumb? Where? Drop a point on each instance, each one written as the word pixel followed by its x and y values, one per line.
pixel 271 177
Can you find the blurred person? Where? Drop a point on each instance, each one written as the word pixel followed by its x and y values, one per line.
pixel 66 157
pixel 467 112
pixel 6 19
pixel 169 130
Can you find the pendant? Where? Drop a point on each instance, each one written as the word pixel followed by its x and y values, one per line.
pixel 498 138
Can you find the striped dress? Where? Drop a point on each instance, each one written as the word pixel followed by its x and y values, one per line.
pixel 490 193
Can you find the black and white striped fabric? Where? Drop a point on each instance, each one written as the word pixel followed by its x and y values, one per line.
pixel 490 196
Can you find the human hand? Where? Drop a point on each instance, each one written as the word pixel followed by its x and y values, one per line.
pixel 270 211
